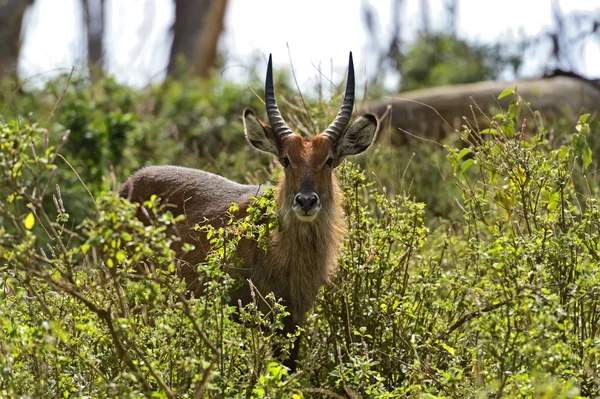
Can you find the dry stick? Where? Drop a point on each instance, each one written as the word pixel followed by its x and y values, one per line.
pixel 410 100
pixel 298 87
pixel 420 138
pixel 304 132
pixel 25 81
pixel 388 135
pixel 204 381
pixel 63 140
pixel 156 376
pixel 69 232
pixel 49 180
pixel 62 95
pixel 471 315
pixel 293 106
pixel 256 94
pixel 412 156
pixel 87 361
pixel 322 75
pixel 364 96
pixel 294 377
pixel 188 313
pixel 79 177
pixel 102 314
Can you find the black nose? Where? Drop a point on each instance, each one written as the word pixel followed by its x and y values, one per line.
pixel 307 201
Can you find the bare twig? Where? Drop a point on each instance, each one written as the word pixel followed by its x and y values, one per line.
pixel 64 92
pixel 300 91
pixel 81 180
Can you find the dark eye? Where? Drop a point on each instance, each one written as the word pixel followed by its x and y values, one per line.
pixel 285 161
pixel 329 162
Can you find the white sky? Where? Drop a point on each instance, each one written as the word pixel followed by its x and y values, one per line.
pixel 318 33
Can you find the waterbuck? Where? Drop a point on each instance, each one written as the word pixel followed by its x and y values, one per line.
pixel 302 252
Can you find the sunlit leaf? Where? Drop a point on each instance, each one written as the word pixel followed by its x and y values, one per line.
pixel 467 165
pixel 490 131
pixel 450 349
pixel 506 93
pixel 584 118
pixel 464 152
pixel 29 221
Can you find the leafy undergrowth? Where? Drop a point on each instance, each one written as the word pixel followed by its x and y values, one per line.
pixel 502 300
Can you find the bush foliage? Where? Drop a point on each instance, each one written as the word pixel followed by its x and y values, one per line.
pixel 494 294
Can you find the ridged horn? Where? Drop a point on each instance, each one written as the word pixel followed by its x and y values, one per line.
pixel 275 119
pixel 339 124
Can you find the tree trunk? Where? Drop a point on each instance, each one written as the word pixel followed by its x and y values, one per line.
pixel 11 20
pixel 94 21
pixel 196 31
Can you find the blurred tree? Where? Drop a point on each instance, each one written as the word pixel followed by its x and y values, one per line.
pixel 451 9
pixel 568 37
pixel 437 57
pixel 196 31
pixel 11 19
pixel 425 22
pixel 93 11
pixel 442 59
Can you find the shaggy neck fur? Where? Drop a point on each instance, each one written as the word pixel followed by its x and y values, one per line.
pixel 302 255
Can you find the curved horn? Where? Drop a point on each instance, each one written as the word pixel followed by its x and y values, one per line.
pixel 339 124
pixel 275 119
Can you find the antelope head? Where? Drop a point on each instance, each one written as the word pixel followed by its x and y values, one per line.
pixel 309 183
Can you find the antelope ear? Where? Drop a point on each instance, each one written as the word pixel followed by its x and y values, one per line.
pixel 357 137
pixel 259 134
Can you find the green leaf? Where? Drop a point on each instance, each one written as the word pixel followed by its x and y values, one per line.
pixel 563 153
pixel 583 128
pixel 584 118
pixel 490 131
pixel 514 109
pixel 506 93
pixel 506 201
pixel 467 165
pixel 29 221
pixel 120 256
pixel 509 129
pixel 464 152
pixel 553 201
pixel 582 149
pixel 587 156
pixel 579 143
pixel 450 349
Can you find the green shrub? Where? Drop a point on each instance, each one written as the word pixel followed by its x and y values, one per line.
pixel 500 300
pixel 99 312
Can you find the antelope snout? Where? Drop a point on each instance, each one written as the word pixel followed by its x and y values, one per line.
pixel 306 206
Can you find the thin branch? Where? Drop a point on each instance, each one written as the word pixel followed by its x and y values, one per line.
pixel 81 180
pixel 299 91
pixel 64 92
